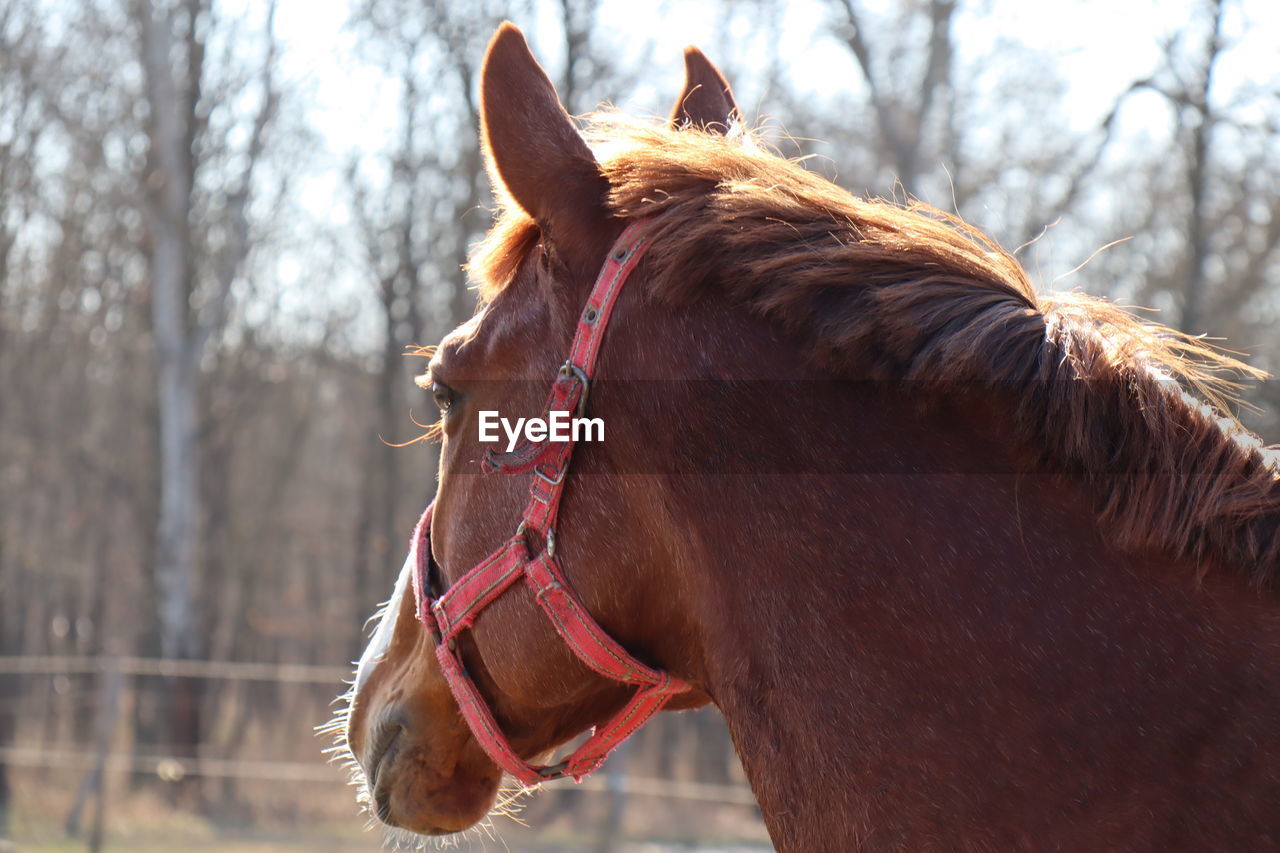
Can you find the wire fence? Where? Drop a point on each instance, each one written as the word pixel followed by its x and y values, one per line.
pixel 285 673
pixel 173 767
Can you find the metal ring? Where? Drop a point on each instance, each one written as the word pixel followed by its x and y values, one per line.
pixel 549 537
pixel 555 771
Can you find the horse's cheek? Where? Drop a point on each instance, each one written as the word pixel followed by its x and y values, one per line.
pixel 527 660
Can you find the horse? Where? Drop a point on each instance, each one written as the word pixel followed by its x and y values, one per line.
pixel 963 566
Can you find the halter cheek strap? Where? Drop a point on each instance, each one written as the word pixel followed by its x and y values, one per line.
pixel 455 610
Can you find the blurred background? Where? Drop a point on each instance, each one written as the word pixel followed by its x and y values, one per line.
pixel 222 223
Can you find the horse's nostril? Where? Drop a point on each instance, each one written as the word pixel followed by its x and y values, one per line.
pixel 380 746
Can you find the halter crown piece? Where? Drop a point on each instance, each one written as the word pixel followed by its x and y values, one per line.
pixel 456 609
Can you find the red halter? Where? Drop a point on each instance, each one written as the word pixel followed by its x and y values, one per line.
pixel 456 609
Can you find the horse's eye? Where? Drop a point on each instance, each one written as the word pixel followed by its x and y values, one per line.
pixel 443 395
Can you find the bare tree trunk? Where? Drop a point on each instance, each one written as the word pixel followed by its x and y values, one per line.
pixel 462 303
pixel 10 685
pixel 577 21
pixel 172 95
pixel 1198 180
pixel 468 217
pixel 389 415
pixel 172 51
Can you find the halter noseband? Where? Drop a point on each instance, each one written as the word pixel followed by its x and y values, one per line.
pixel 456 609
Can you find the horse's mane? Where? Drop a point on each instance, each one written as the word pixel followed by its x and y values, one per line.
pixel 886 291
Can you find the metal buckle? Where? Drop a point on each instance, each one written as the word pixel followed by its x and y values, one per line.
pixel 437 630
pixel 550 482
pixel 569 369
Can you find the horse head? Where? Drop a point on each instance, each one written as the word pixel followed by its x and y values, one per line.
pixel 421 764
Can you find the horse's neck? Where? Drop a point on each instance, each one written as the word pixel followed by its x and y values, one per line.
pixel 963 659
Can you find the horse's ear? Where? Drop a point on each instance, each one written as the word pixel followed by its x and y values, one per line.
pixel 534 150
pixel 707 101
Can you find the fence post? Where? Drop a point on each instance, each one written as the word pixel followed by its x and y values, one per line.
pixel 93 786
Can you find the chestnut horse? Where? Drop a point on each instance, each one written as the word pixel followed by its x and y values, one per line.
pixel 964 567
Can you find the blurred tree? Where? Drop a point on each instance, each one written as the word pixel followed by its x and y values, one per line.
pixel 1199 192
pixel 418 208
pixel 1197 96
pixel 1227 152
pixel 976 130
pixel 906 79
pixel 191 280
pixel 23 118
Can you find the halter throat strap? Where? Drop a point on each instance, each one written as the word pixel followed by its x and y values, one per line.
pixel 456 609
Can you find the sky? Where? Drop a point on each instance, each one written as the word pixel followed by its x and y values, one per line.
pixel 1098 46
